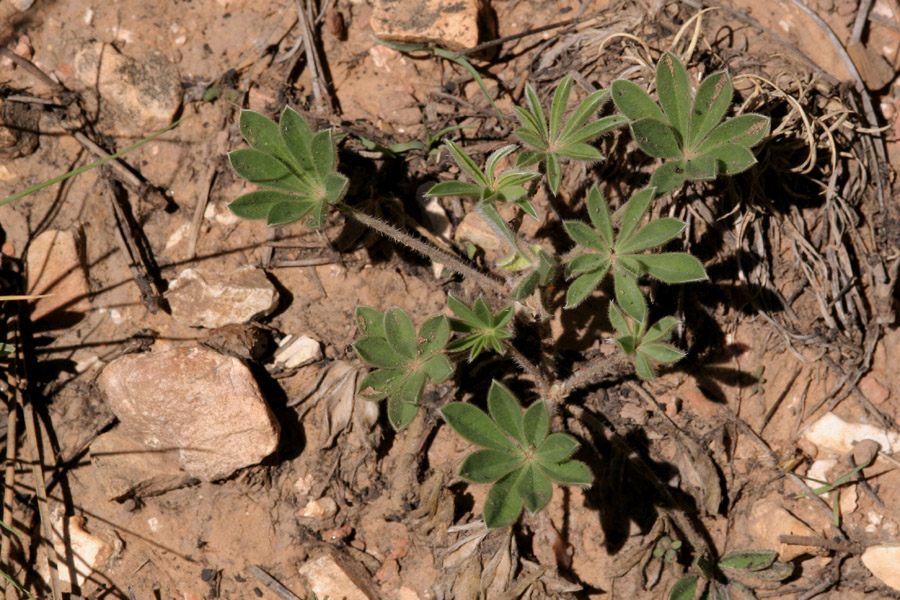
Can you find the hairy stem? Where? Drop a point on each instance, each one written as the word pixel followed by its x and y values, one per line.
pixel 435 254
pixel 530 368
pixel 587 375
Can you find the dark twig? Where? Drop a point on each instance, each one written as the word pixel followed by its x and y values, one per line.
pixel 273 584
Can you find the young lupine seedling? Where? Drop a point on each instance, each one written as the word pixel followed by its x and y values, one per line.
pixel 599 252
pixel 488 188
pixel 687 129
pixel 482 330
pixel 403 359
pixel 520 455
pixel 548 142
pixel 645 345
pixel 298 166
pixel 733 577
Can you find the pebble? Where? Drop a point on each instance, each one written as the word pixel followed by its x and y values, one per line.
pixel 833 434
pixel 451 24
pixel 85 551
pixel 54 267
pixel 769 520
pixel 202 298
pixel 325 576
pixel 294 352
pixel 882 561
pixel 873 389
pixel 125 468
pixel 203 404
pixel 21 5
pixel 146 90
pixel 323 508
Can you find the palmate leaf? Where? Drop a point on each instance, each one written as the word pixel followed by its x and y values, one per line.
pixel 288 158
pixel 483 330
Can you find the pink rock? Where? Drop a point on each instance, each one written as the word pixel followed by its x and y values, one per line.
pixel 873 389
pixel 202 404
pixel 451 24
pixel 202 298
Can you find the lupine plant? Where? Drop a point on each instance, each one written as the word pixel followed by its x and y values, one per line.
pixel 519 454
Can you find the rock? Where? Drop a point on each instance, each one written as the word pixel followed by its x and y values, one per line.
pixel 407 592
pixel 201 298
pixel 833 434
pixel 769 520
pixel 475 229
pixel 19 124
pixel 78 548
pixel 882 561
pixel 147 91
pixel 203 404
pixel 21 5
pixel 337 579
pixel 873 389
pixel 126 467
pixel 55 267
pixel 294 352
pixel 451 24
pixel 323 508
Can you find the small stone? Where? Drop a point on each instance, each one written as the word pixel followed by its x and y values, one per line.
pixel 325 576
pixel 451 24
pixel 146 90
pixel 203 404
pixel 833 434
pixel 769 520
pixel 55 267
pixel 882 561
pixel 84 551
pixel 407 592
pixel 873 389
pixel 475 229
pixel 125 468
pixel 21 5
pixel 201 298
pixel 323 508
pixel 294 352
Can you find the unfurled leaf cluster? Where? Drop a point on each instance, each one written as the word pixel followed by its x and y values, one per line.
pixel 481 329
pixel 547 142
pixel 519 454
pixel 734 577
pixel 297 165
pixel 403 358
pixel 686 129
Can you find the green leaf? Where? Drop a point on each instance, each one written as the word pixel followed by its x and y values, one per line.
pixel 466 164
pixel 558 106
pixel 656 138
pixel 554 172
pixel 668 177
pixel 536 424
pixel 627 264
pixel 534 488
pixel 674 91
pixel 297 136
pixel 370 321
pixel 748 560
pixel 438 368
pixel 532 138
pixel 635 209
pixel 685 588
pixel 505 410
pixel 571 472
pixel 433 336
pixel 379 384
pixel 710 105
pixel 580 151
pixel 410 391
pixel 557 448
pixel 258 167
pixel 288 212
pixel 464 312
pixel 617 319
pixel 400 414
pixel 335 187
pixel 475 426
pixel 400 332
pixel 262 134
pixel 503 504
pixel 659 330
pixel 525 287
pixel 745 130
pixel 634 102
pixel 629 297
pixel 660 352
pixel 379 353
pixel 485 466
pixel 673 267
pixel 655 233
pixel 583 235
pixel 701 168
pixel 455 188
pixel 582 287
pixel 732 158
pixel 495 157
pixel 534 104
pixel 322 150
pixel 598 211
pixel 642 366
pixel 256 205
pixel 626 344
pixel 584 263
pixel 596 129
pixel 588 107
